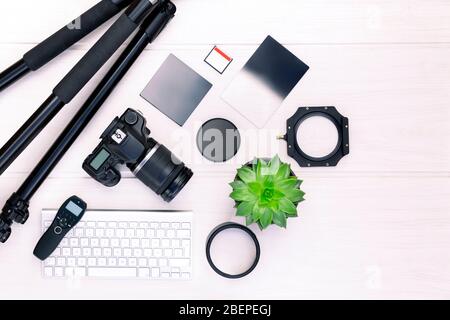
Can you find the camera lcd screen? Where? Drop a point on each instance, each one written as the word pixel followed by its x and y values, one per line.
pixel 100 159
pixel 74 209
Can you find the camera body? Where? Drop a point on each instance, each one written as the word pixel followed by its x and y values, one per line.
pixel 127 141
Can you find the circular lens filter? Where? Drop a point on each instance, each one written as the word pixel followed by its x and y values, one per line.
pixel 218 140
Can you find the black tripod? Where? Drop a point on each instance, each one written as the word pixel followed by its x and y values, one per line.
pixel 155 15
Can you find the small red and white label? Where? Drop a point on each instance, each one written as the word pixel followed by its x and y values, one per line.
pixel 218 59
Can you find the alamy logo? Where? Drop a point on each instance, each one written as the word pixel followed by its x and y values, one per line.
pixel 75 24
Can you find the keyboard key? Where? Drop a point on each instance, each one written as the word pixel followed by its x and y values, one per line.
pixel 154 225
pixel 95 242
pixel 145 243
pixel 186 225
pixel 165 275
pixel 150 233
pixel 176 243
pixel 175 225
pixel 61 261
pixel 144 272
pixel 84 242
pixel 115 242
pixel 133 225
pixel 97 252
pixel 155 243
pixel 107 252
pixel 123 225
pixel 90 224
pixel 79 232
pixel 120 233
pixel 48 271
pixel 101 262
pixel 142 262
pixel 117 252
pixel 186 243
pixel 87 252
pixel 155 272
pixel 109 233
pixel 101 224
pixel 160 233
pixel 175 275
pixel 137 252
pixel 140 233
pixel 143 225
pixel 59 272
pixel 127 252
pixel 152 262
pixel 178 253
pixel 125 243
pixel 50 261
pixel 112 262
pixel 89 233
pixel 171 233
pixel 57 252
pixel 122 262
pixel 163 262
pixel 99 233
pixel 132 262
pixel 64 242
pixel 66 252
pixel 80 272
pixel 69 272
pixel 157 252
pixel 130 233
pixel 183 234
pixel 112 225
pixel 185 275
pixel 165 243
pixel 112 272
pixel 180 262
pixel 76 252
pixel 74 242
pixel 104 242
pixel 71 262
pixel 165 225
pixel 168 252
pixel 81 262
pixel 92 262
pixel 148 252
pixel 135 243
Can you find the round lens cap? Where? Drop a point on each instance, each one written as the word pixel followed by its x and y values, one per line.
pixel 218 140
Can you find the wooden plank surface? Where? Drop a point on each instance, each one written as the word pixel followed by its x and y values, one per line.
pixel 376 226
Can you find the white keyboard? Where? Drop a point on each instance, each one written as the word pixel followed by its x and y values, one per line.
pixel 124 244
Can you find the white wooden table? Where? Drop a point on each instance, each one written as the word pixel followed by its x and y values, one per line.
pixel 376 226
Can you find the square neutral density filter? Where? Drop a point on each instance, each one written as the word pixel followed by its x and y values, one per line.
pixel 176 90
pixel 265 81
pixel 218 60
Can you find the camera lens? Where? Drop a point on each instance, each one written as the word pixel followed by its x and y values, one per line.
pixel 162 172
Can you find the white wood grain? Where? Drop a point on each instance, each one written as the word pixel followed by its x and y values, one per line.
pixel 234 21
pixel 376 226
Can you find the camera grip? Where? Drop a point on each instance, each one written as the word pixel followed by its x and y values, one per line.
pixel 67 36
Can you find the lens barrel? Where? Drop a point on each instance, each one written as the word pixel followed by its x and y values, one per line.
pixel 162 172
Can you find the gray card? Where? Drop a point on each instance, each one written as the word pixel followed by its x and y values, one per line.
pixel 176 90
pixel 265 81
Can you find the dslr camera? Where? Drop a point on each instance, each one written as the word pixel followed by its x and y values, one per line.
pixel 127 142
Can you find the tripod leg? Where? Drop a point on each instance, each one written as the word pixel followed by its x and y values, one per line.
pixel 62 40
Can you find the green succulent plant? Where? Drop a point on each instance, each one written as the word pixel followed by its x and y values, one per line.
pixel 266 193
